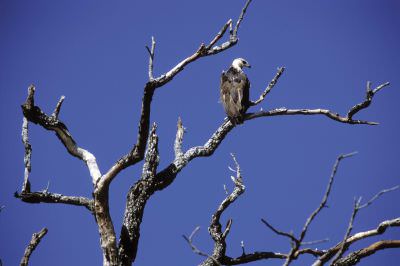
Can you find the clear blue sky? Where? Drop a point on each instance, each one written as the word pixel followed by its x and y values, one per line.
pixel 93 53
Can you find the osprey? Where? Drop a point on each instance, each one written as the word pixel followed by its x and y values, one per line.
pixel 235 91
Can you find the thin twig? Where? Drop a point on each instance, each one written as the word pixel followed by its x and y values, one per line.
pixel 36 238
pixel 297 244
pixel 219 34
pixel 343 246
pixel 269 87
pixel 151 57
pixel 189 240
pixel 368 99
pixel 308 243
pixel 278 232
pixel 240 18
pixel 58 107
pixel 380 193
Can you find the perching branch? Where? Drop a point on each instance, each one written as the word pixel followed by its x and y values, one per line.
pixel 332 115
pixel 36 238
pixel 137 152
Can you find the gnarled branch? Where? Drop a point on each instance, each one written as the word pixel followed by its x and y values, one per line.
pixel 47 197
pixel 35 115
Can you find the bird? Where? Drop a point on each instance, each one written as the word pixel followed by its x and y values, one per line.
pixel 234 90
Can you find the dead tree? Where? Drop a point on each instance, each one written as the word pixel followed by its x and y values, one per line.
pixel 123 251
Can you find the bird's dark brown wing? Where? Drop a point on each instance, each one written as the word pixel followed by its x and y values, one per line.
pixel 234 93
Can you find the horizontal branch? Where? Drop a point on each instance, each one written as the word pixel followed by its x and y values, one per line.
pixel 47 197
pixel 167 176
pixel 35 115
pixel 325 112
pixel 36 238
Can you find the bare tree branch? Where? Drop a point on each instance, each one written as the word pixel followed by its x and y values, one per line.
pixel 356 208
pixel 332 115
pixel 35 115
pixel 36 238
pixel 368 99
pixel 151 57
pixel 381 228
pixel 270 86
pixel 297 244
pixel 314 242
pixel 215 228
pixel 189 240
pixel 278 232
pixel 178 139
pixel 355 257
pixel 137 152
pixel 380 193
pixel 47 197
pixel 343 246
pixel 234 34
pixel 136 201
pixel 26 187
pixel 325 112
pixel 56 111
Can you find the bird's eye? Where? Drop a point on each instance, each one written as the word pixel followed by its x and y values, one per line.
pixel 244 62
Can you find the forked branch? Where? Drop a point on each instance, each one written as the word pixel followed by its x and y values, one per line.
pixel 137 152
pixel 35 115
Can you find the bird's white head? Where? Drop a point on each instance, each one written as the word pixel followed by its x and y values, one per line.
pixel 239 63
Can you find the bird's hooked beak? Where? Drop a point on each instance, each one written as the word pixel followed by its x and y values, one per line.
pixel 247 65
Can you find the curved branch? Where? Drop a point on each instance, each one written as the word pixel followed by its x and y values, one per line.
pixel 35 115
pixel 355 257
pixel 368 99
